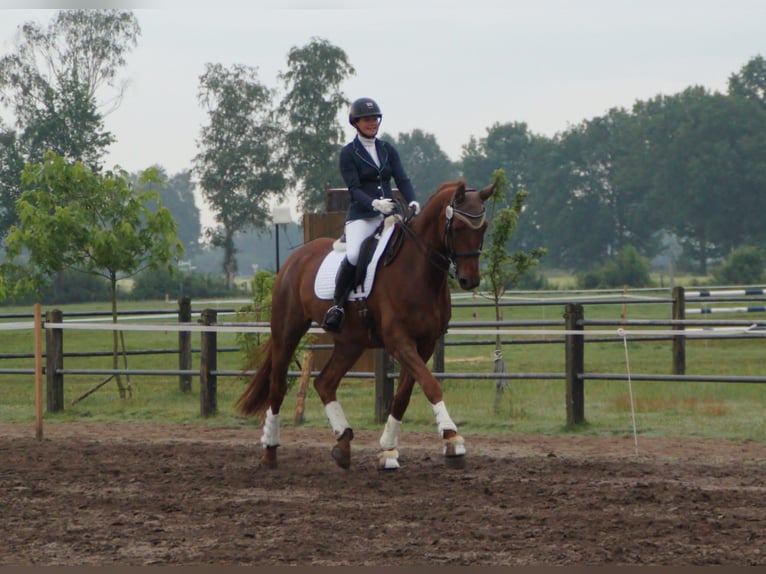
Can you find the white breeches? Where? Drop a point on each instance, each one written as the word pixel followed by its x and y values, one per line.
pixel 356 232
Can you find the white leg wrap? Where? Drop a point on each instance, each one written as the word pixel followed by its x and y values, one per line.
pixel 270 435
pixel 389 440
pixel 336 417
pixel 443 420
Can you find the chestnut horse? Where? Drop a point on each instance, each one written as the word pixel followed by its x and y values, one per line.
pixel 407 311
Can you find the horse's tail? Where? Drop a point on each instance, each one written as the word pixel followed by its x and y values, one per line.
pixel 253 400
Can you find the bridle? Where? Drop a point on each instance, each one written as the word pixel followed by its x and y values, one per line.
pixel 472 220
pixel 438 259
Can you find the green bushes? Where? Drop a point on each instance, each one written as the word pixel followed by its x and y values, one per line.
pixel 156 284
pixel 69 286
pixel 744 266
pixel 627 267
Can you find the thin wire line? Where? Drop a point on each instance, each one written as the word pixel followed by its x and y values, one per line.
pixel 630 388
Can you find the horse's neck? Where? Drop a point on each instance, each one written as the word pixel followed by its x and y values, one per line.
pixel 429 227
pixel 428 257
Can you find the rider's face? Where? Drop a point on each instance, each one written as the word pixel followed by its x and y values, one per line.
pixel 368 126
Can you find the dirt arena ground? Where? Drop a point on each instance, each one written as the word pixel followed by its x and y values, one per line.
pixel 135 494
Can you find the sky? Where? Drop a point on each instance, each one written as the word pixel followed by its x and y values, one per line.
pixel 450 68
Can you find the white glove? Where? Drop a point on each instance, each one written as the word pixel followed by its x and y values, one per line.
pixel 385 206
pixel 415 207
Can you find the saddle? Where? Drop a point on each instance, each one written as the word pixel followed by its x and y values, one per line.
pixel 381 246
pixel 369 245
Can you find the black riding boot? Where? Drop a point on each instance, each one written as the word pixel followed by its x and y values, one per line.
pixel 344 282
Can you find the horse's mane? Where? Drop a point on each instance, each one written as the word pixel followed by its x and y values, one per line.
pixel 446 185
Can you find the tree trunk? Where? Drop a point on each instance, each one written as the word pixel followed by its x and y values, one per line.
pixel 499 367
pixel 115 335
pixel 229 265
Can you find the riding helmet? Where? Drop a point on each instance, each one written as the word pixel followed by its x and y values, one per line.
pixel 363 107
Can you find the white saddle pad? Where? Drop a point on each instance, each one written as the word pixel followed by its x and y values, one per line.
pixel 324 282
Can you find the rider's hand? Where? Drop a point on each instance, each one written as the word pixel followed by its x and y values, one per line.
pixel 385 206
pixel 414 207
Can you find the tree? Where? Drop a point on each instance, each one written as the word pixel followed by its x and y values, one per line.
pixel 709 171
pixel 503 267
pixel 237 163
pixel 72 217
pixel 607 157
pixel 506 146
pixel 51 82
pixel 310 108
pixel 426 163
pixel 11 164
pixel 750 81
pixel 177 195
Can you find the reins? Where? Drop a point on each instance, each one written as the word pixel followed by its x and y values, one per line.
pixel 432 254
pixel 434 257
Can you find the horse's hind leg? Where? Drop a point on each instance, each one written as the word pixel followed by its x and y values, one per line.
pixel 281 355
pixel 326 384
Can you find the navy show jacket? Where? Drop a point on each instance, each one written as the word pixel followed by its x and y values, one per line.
pixel 366 181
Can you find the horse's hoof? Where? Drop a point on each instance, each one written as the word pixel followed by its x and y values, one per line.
pixel 269 458
pixel 341 452
pixel 454 452
pixel 342 458
pixel 388 460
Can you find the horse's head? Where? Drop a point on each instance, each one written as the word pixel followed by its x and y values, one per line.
pixel 464 232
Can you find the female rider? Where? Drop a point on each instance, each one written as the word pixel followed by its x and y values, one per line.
pixel 367 165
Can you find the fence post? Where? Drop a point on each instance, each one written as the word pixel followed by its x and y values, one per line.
pixel 184 345
pixel 574 346
pixel 208 381
pixel 679 343
pixel 54 361
pixel 303 385
pixel 438 362
pixel 384 386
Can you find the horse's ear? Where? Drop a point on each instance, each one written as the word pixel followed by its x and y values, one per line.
pixel 487 192
pixel 459 196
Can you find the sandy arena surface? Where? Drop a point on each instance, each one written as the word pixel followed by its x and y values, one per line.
pixel 147 494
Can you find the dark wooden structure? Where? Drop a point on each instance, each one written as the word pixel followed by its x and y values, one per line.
pixel 54 363
pixel 184 344
pixel 574 351
pixel 208 377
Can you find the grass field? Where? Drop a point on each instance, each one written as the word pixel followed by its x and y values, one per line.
pixel 720 410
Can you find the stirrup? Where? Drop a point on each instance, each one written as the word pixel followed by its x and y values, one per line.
pixel 333 319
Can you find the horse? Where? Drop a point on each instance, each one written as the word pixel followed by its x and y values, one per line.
pixel 406 312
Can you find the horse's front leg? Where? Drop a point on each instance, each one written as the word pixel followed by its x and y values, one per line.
pixel 454 444
pixel 414 362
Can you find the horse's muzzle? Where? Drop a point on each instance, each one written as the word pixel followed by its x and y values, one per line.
pixel 468 283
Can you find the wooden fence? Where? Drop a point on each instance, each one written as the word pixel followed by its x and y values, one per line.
pixel 573 330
